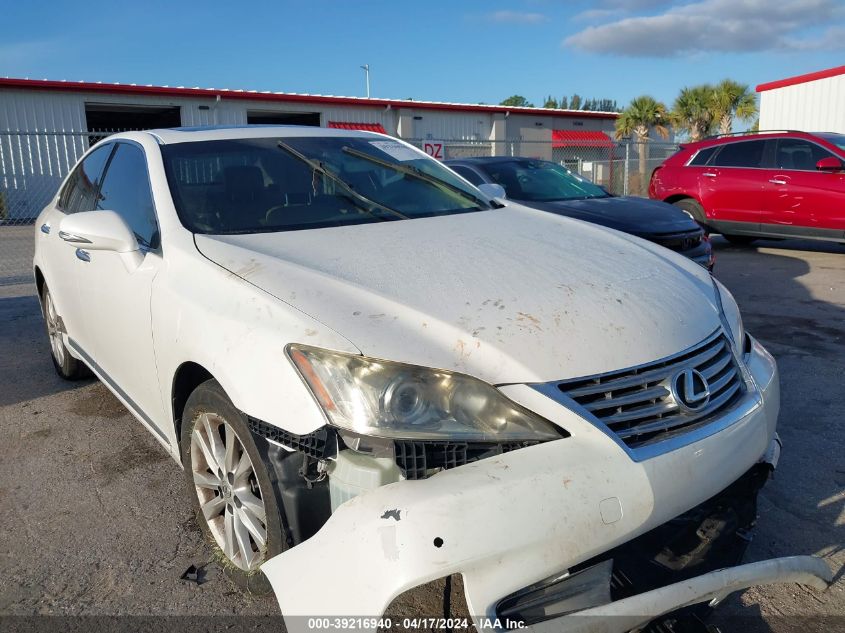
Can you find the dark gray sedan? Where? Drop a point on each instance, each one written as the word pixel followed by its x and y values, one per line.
pixel 547 186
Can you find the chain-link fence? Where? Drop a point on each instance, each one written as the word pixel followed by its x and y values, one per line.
pixel 615 165
pixel 33 164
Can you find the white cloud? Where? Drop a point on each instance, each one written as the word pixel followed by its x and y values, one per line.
pixel 715 26
pixel 516 17
pixel 606 9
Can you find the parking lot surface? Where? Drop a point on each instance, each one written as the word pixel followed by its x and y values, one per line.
pixel 96 519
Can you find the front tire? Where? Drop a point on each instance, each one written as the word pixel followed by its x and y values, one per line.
pixel 231 492
pixel 65 365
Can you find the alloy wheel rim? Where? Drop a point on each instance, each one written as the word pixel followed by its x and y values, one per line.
pixel 56 344
pixel 228 491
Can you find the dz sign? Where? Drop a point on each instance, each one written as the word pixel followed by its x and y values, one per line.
pixel 434 149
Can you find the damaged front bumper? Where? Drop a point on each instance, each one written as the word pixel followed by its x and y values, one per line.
pixel 634 612
pixel 508 522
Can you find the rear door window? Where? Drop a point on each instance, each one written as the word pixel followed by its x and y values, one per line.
pixel 742 154
pixel 126 191
pixel 81 189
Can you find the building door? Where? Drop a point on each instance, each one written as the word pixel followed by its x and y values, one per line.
pixel 283 118
pixel 103 119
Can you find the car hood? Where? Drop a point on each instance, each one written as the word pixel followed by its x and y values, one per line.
pixel 638 216
pixel 507 295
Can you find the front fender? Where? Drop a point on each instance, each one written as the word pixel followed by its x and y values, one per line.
pixel 238 333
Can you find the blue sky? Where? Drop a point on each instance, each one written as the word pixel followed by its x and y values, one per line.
pixel 461 50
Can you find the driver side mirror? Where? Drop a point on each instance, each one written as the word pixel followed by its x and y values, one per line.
pixel 493 190
pixel 830 163
pixel 98 231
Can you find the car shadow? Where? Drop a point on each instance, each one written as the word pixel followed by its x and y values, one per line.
pixel 26 371
pixel 814 246
pixel 800 318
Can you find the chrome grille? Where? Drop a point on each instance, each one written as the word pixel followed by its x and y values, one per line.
pixel 638 404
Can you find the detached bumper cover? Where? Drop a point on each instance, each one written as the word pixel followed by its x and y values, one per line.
pixel 509 521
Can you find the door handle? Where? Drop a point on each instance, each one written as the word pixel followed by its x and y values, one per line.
pixel 85 256
pixel 709 174
pixel 45 228
pixel 777 181
pixel 74 239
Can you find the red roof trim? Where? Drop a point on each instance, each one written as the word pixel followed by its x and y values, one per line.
pixel 366 127
pixel 802 79
pixel 45 84
pixel 580 138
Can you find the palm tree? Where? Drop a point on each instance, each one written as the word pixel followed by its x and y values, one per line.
pixel 732 100
pixel 693 111
pixel 642 114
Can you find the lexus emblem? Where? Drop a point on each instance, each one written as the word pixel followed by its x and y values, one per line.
pixel 690 389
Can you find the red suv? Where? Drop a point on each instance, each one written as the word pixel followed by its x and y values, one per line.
pixel 768 184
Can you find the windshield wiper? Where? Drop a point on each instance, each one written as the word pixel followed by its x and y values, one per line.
pixel 415 172
pixel 359 200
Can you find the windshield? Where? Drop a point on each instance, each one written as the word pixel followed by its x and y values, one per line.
pixel 835 139
pixel 292 183
pixel 541 181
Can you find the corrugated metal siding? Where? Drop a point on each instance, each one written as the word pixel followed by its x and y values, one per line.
pixel 218 113
pixel 38 111
pixel 815 106
pixel 470 126
pixel 65 112
pixel 33 165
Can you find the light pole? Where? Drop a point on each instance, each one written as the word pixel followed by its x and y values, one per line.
pixel 366 68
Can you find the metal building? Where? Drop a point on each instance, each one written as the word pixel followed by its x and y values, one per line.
pixel 45 126
pixel 63 106
pixel 814 102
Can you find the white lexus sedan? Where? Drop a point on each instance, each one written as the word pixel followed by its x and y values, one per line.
pixel 373 376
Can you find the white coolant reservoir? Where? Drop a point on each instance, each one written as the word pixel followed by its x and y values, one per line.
pixel 352 474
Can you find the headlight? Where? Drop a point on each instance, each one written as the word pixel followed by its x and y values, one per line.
pixel 394 400
pixel 729 313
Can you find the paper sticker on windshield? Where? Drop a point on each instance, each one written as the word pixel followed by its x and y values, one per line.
pixel 397 150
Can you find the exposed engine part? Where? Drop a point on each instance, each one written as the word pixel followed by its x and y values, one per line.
pixel 353 473
pixel 313 471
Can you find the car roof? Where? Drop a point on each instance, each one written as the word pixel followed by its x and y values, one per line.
pixel 175 135
pixel 750 136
